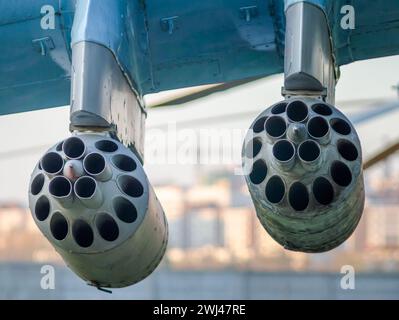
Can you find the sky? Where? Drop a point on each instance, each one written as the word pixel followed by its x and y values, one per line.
pixel 26 136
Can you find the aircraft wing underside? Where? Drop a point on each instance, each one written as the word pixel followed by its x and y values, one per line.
pixel 169 44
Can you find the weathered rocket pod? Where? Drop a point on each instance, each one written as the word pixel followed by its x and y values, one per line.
pixel 90 197
pixel 303 164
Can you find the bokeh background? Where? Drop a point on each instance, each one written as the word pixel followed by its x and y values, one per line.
pixel 217 248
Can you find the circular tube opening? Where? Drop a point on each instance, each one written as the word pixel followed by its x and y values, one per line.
pixel 259 172
pixel 106 146
pixel 340 126
pixel 52 163
pixel 309 151
pixel 298 196
pixel 347 150
pixel 125 210
pixel 283 150
pixel 124 163
pixel 82 233
pixel 297 111
pixel 107 227
pixel 130 186
pixel 275 126
pixel 42 208
pixel 253 148
pixel 275 189
pixel 58 226
pixel 74 148
pixel 37 184
pixel 323 191
pixel 259 125
pixel 94 163
pixel 85 187
pixel 318 127
pixel 60 187
pixel 341 174
pixel 322 109
pixel 279 108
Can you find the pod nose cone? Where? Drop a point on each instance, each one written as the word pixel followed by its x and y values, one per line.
pixel 297 132
pixel 73 170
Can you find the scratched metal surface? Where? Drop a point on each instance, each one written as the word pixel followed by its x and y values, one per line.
pixel 28 80
pixel 376 32
pixel 171 44
pixel 316 227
